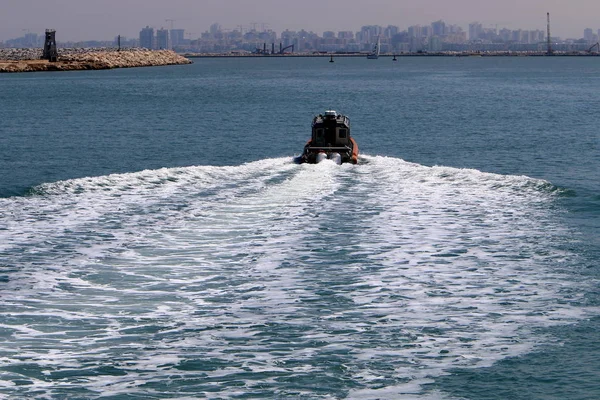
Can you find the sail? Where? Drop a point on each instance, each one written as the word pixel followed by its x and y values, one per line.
pixel 375 53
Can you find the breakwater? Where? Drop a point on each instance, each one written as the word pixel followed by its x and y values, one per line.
pixel 400 54
pixel 28 60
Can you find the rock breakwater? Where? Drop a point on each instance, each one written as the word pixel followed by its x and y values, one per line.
pixel 27 60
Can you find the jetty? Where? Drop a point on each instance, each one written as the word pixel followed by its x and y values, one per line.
pixel 30 60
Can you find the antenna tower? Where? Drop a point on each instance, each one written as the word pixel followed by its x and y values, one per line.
pixel 549 38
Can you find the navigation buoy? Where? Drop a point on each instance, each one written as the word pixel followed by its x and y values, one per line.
pixel 331 59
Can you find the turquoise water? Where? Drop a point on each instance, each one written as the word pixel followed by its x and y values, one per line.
pixel 156 240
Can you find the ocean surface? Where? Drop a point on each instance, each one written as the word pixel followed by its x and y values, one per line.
pixel 158 242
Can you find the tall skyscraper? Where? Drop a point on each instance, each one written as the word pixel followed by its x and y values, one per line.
pixel 475 30
pixel 177 37
pixel 390 31
pixel 439 28
pixel 415 31
pixel 426 31
pixel 147 38
pixel 370 33
pixel 215 29
pixel 162 39
pixel 435 44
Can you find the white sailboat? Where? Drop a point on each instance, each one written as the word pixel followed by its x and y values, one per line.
pixel 374 55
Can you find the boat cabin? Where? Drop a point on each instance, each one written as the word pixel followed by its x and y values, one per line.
pixel 331 130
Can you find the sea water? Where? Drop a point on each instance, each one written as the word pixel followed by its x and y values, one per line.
pixel 157 241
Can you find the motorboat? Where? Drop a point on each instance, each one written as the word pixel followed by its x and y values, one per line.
pixel 330 140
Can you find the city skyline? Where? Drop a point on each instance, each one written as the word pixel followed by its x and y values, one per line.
pixel 103 21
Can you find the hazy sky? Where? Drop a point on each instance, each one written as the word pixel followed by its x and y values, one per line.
pixel 105 19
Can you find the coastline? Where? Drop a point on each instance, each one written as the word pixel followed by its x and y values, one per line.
pixel 29 60
pixel 390 55
pixel 95 60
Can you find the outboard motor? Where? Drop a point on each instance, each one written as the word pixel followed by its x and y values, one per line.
pixel 335 157
pixel 320 157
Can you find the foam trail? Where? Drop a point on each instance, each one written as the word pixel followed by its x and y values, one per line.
pixel 273 279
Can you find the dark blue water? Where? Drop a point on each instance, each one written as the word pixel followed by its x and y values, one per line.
pixel 156 240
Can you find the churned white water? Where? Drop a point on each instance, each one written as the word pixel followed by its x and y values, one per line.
pixel 277 279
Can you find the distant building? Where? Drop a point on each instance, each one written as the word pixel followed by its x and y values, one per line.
pixel 125 42
pixel 435 44
pixel 588 34
pixel 426 31
pixel 415 44
pixel 505 35
pixel 162 40
pixel 439 28
pixel 147 38
pixel 31 40
pixel 454 29
pixel 537 36
pixel 475 31
pixel 390 31
pixel 215 29
pixel 369 33
pixel 415 31
pixel 345 35
pixel 177 37
pixel 288 38
pixel 433 37
pixel 516 35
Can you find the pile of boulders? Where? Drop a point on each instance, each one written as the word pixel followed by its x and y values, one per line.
pixel 127 58
pixel 20 54
pixel 25 60
pixel 10 54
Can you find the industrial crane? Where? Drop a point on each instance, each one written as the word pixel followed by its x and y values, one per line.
pixel 266 52
pixel 283 49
